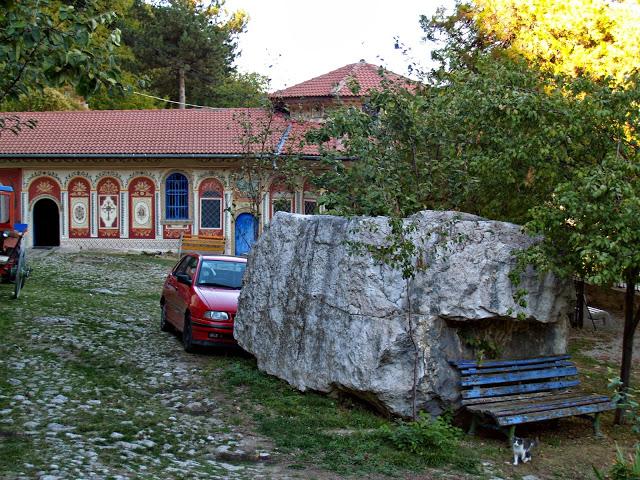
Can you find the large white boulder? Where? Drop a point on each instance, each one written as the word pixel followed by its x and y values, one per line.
pixel 321 316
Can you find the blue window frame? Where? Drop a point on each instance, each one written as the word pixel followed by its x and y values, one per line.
pixel 177 197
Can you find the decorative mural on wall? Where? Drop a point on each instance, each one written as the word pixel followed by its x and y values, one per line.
pixel 44 186
pixel 142 210
pixel 108 213
pixel 79 211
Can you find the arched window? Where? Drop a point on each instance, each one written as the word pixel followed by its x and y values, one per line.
pixel 177 197
pixel 211 210
pixel 281 197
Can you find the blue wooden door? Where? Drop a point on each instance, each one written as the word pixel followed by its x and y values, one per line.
pixel 246 229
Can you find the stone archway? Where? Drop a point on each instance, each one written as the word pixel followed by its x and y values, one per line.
pixel 46 223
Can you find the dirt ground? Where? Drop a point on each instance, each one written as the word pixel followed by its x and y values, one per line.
pixel 567 448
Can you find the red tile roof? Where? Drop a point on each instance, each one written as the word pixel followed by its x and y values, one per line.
pixel 339 82
pixel 201 132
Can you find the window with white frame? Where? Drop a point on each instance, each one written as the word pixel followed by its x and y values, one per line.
pixel 281 202
pixel 211 210
pixel 310 206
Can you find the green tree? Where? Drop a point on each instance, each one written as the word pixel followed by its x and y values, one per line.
pixel 47 43
pixel 591 228
pixel 184 45
pixel 265 157
pixel 495 134
pixel 493 140
pixel 47 100
pixel 240 90
pixel 597 38
pixel 126 98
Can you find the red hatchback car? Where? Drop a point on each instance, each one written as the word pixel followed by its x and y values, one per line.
pixel 200 299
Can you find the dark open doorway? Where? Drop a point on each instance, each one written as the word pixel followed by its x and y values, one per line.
pixel 46 224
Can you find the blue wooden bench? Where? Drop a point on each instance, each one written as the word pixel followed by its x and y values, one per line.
pixel 506 393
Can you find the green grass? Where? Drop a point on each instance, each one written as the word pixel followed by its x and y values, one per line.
pixel 339 434
pixel 309 430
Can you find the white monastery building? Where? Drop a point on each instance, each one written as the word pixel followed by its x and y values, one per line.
pixel 139 179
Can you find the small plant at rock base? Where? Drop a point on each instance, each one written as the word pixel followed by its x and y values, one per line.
pixel 626 401
pixel 623 468
pixel 484 347
pixel 436 440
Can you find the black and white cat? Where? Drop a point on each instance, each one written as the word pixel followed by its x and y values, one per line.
pixel 522 449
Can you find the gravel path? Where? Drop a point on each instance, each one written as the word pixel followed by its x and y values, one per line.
pixel 91 388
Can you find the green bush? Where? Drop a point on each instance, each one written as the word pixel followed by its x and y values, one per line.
pixel 436 440
pixel 623 468
pixel 627 400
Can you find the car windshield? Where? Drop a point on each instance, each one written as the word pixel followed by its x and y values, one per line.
pixel 221 273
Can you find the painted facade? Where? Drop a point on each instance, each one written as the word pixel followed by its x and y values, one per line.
pixel 117 207
pixel 138 180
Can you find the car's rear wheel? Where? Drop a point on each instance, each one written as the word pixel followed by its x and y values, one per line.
pixel 187 335
pixel 165 326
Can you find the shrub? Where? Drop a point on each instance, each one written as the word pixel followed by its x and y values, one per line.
pixel 623 468
pixel 436 440
pixel 628 401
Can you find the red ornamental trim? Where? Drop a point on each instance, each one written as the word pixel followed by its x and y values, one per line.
pixel 142 188
pixel 79 189
pixel 44 186
pixel 173 233
pixel 108 233
pixel 142 233
pixel 108 187
pixel 79 232
pixel 211 186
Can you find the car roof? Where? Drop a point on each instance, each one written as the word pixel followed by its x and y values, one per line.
pixel 224 258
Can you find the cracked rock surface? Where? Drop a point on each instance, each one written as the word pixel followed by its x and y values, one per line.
pixel 323 317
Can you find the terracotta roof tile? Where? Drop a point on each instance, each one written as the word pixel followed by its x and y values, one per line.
pixel 139 132
pixel 338 82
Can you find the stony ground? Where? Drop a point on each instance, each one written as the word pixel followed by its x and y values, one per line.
pixel 91 389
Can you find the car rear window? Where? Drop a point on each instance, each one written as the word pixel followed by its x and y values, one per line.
pixel 221 273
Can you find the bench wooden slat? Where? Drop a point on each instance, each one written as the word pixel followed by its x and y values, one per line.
pixel 506 363
pixel 558 413
pixel 548 403
pixel 555 405
pixel 510 398
pixel 520 388
pixel 516 399
pixel 516 368
pixel 492 379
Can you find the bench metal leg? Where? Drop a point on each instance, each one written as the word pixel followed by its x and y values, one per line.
pixel 474 424
pixel 512 433
pixel 596 425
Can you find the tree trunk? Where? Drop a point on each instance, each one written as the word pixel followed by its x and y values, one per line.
pixel 630 324
pixel 579 315
pixel 181 90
